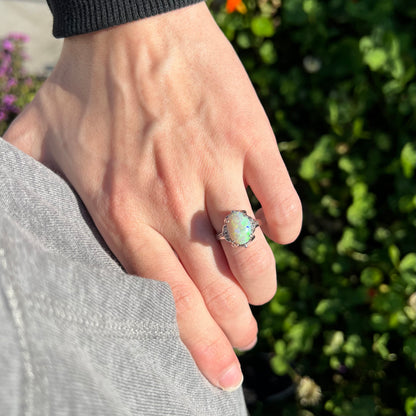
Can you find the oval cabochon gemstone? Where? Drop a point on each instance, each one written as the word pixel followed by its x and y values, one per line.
pixel 239 227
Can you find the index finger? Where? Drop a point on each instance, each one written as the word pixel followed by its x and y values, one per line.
pixel 266 174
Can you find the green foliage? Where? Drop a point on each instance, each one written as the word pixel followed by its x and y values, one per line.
pixel 338 81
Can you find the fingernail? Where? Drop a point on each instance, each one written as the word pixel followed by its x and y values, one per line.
pixel 231 379
pixel 249 346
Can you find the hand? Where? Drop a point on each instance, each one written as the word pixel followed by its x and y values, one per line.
pixel 157 126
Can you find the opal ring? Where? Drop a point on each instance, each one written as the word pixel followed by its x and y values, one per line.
pixel 238 229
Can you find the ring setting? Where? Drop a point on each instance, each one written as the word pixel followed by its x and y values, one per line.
pixel 238 229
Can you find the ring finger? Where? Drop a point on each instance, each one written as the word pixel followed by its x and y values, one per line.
pixel 254 266
pixel 205 262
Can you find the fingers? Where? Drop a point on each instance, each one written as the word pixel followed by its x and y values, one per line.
pixel 204 339
pixel 266 173
pixel 254 266
pixel 205 262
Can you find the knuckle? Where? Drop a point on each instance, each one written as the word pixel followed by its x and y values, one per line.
pixel 224 302
pixel 229 307
pixel 171 200
pixel 115 207
pixel 291 209
pixel 259 263
pixel 210 348
pixel 288 218
pixel 214 350
pixel 178 210
pixel 184 299
pixel 260 268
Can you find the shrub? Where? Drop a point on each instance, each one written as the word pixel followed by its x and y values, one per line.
pixel 337 79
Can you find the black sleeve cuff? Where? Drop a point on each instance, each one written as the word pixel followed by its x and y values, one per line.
pixel 74 17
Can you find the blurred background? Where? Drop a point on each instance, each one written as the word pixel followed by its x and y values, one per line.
pixel 338 81
pixel 32 18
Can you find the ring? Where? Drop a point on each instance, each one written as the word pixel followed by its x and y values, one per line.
pixel 238 229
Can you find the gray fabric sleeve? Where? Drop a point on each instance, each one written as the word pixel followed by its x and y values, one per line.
pixel 78 335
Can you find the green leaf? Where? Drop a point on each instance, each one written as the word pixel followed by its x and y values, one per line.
pixel 371 276
pixel 407 203
pixel 310 6
pixel 380 345
pixel 350 241
pixel 379 322
pixel 324 152
pixel 408 159
pixel 408 263
pixel 353 346
pixel 334 362
pixel 280 348
pixel 335 344
pixel 262 26
pixel 243 40
pixel 375 58
pixel 279 365
pixel 362 207
pixel 301 335
pixel 410 406
pixel 350 361
pixel 267 52
pixel 394 254
pixel 328 309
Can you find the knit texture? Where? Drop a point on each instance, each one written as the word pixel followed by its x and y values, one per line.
pixel 75 17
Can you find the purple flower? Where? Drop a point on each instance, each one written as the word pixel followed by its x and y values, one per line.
pixel 19 37
pixel 9 99
pixel 12 82
pixel 7 110
pixel 8 45
pixel 5 65
pixel 3 115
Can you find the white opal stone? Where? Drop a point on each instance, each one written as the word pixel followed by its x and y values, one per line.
pixel 239 227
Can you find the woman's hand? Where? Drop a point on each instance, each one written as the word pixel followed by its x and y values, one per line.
pixel 157 126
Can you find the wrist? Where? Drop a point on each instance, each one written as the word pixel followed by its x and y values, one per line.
pixel 137 46
pixel 155 33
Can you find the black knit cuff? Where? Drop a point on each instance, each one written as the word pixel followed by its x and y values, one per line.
pixel 74 17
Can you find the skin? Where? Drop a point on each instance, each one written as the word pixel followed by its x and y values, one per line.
pixel 157 126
